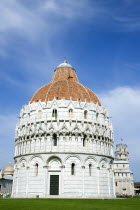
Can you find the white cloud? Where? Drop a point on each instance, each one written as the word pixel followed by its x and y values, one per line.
pixel 27 22
pixel 17 22
pixel 70 9
pixel 127 23
pixel 28 30
pixel 16 18
pixel 123 104
pixel 38 20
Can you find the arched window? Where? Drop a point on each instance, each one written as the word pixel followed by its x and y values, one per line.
pixel 90 167
pixel 73 169
pixel 54 140
pixel 54 113
pixel 36 169
pixel 70 113
pixel 39 114
pixel 84 140
pixel 70 78
pixel 85 114
pixel 103 165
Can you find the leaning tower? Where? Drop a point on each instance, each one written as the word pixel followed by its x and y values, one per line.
pixel 124 183
pixel 121 152
pixel 64 142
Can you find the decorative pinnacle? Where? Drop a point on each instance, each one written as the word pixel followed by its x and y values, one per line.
pixel 65 61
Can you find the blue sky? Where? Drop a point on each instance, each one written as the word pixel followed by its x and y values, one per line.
pixel 100 39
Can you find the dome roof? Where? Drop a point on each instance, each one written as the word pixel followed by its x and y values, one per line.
pixel 65 85
pixel 64 64
pixel 8 170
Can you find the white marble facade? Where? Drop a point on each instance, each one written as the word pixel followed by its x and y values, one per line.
pixel 124 182
pixel 70 139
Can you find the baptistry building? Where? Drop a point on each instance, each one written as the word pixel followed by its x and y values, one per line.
pixel 64 142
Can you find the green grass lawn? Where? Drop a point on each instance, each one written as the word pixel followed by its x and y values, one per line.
pixel 69 204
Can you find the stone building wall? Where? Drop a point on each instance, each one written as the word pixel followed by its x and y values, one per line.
pixel 34 133
pixel 97 183
pixel 53 135
pixel 6 186
pixel 124 183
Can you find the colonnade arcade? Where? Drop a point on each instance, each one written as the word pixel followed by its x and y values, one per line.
pixel 63 142
pixel 72 166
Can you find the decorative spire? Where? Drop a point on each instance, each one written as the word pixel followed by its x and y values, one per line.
pixel 65 60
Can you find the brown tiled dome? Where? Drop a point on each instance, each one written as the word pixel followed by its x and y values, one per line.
pixel 65 85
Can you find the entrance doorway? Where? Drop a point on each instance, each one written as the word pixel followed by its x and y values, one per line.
pixel 54 184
